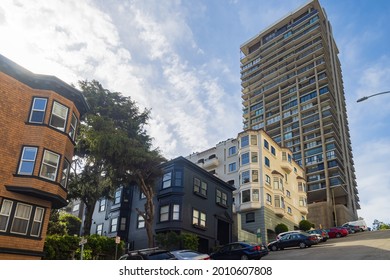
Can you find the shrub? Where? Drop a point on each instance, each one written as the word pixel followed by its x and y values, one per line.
pixel 280 228
pixel 305 225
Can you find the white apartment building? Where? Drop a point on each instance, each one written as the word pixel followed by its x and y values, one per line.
pixel 270 185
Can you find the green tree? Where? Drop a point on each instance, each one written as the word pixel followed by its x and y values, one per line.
pixel 280 228
pixel 114 149
pixel 305 225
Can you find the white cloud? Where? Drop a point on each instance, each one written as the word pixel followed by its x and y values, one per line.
pixel 373 177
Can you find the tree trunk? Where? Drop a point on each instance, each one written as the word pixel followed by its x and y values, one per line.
pixel 88 218
pixel 149 210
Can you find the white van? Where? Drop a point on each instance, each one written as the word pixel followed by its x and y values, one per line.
pixel 360 223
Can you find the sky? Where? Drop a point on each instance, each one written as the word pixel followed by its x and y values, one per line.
pixel 181 59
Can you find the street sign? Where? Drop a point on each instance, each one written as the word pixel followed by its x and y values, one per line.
pixel 83 241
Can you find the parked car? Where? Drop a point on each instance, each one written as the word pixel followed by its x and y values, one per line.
pixel 189 255
pixel 301 240
pixel 321 232
pixel 337 232
pixel 360 223
pixel 351 229
pixel 148 254
pixel 240 251
pixel 287 232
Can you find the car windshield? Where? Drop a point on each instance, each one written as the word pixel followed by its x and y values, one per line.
pixel 187 254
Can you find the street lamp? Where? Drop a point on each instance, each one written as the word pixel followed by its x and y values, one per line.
pixel 366 97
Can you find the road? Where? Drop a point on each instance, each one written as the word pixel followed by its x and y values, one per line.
pixel 370 245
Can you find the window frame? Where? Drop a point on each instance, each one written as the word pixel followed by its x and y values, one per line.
pixel 102 205
pixel 65 177
pixel 21 160
pixel 117 196
pixel 37 221
pixel 197 220
pixel 73 126
pixel 43 163
pixel 176 212
pixel 99 231
pixel 221 198
pixel 140 222
pixel 114 224
pixel 65 119
pixel 32 110
pixel 27 220
pixel 5 214
pixel 169 180
pixel 164 213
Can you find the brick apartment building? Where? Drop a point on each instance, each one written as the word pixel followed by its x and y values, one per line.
pixel 40 116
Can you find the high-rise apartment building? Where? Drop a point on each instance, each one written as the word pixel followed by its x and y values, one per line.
pixel 292 88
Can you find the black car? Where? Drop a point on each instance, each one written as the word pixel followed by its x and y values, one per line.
pixel 240 251
pixel 149 254
pixel 301 240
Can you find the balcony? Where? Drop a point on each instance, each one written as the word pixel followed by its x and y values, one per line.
pixel 303 210
pixel 211 162
pixel 279 212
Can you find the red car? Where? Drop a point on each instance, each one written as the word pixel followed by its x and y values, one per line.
pixel 337 232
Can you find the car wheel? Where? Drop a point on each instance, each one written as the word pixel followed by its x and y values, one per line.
pixel 244 257
pixel 338 235
pixel 274 248
pixel 302 245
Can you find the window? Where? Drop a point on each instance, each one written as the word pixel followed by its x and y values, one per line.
pixel 200 187
pixel 254 156
pixel 232 167
pixel 289 210
pixel 255 195
pixel 246 196
pixel 302 201
pixel 37 222
pixel 245 158
pixel 49 165
pixel 273 151
pixel 102 205
pixel 250 217
pixel 245 141
pixel 65 174
pixel 178 178
pixel 269 199
pixel 167 180
pixel 255 176
pixel 21 218
pixel 164 213
pixel 5 213
pixel 254 140
pixel 118 194
pixel 122 226
pixel 221 198
pixel 58 116
pixel 245 177
pixel 232 150
pixel 198 218
pixel 38 110
pixel 267 179
pixel 27 161
pixel 176 212
pixel 266 144
pixel 140 222
pixel 73 127
pixel 267 162
pixel 114 224
pixel 99 229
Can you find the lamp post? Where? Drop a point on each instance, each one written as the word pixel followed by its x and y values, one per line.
pixel 366 97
